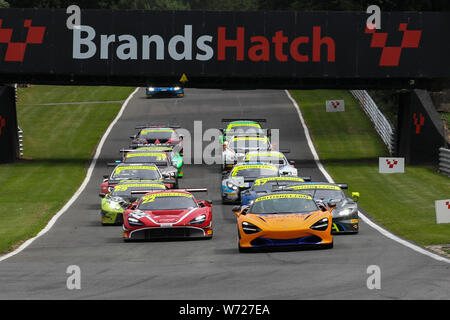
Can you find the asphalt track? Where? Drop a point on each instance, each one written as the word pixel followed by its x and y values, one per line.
pixel 211 269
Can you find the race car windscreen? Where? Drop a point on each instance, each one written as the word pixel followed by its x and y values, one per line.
pixel 269 185
pixel 159 159
pixel 266 159
pixel 249 144
pixel 167 203
pixel 243 130
pixel 125 192
pixel 255 172
pixel 163 135
pixel 283 205
pixel 124 173
pixel 324 194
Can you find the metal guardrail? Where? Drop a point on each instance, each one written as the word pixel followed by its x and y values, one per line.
pixel 444 161
pixel 19 130
pixel 382 125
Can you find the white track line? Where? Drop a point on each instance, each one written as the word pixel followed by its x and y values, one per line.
pixel 80 189
pixel 361 215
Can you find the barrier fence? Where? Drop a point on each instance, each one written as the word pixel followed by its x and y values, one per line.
pixel 382 125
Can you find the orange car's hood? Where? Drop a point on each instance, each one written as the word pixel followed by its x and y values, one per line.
pixel 285 221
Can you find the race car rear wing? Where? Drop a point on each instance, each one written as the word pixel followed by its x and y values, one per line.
pixel 134 150
pixel 157 125
pixel 138 145
pixel 342 185
pixel 187 190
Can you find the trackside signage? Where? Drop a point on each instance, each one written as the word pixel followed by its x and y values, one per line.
pixel 164 45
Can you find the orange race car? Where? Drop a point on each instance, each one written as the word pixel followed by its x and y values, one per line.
pixel 284 218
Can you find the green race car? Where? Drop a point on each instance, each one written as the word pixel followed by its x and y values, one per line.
pixel 175 157
pixel 114 203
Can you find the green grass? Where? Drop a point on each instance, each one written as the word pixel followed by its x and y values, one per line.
pixel 349 148
pixel 58 94
pixel 58 144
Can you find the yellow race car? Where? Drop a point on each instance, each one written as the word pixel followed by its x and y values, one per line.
pixel 284 218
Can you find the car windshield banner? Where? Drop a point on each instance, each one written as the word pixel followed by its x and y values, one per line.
pixel 165 46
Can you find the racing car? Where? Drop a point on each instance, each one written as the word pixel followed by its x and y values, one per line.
pixel 159 158
pixel 281 219
pixel 275 158
pixel 168 214
pixel 175 157
pixel 235 149
pixel 157 134
pixel 172 91
pixel 139 171
pixel 344 209
pixel 242 177
pixel 237 127
pixel 114 204
pixel 263 186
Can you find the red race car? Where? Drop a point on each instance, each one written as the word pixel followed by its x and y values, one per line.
pixel 168 214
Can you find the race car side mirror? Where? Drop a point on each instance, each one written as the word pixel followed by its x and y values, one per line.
pixel 133 137
pixel 292 162
pixel 105 176
pixel 355 196
pixel 236 210
pixel 332 204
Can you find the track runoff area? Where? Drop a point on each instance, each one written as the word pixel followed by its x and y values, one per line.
pixel 76 257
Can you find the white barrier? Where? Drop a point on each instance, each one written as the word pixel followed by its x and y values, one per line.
pixel 382 125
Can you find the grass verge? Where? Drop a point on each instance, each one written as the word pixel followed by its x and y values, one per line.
pixel 349 147
pixel 58 143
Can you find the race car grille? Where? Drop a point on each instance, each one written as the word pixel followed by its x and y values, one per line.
pixel 163 233
pixel 259 242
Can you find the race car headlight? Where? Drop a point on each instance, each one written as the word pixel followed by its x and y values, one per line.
pixel 198 220
pixel 151 89
pixel 249 228
pixel 231 186
pixel 320 225
pixel 176 88
pixel 343 212
pixel 134 222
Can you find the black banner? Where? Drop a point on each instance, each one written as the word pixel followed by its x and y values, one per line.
pixel 8 125
pixel 213 49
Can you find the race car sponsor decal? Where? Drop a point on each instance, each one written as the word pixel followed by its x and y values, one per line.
pixel 120 169
pixel 125 187
pixel 263 181
pixel 145 131
pixel 253 166
pixel 283 196
pixel 152 197
pixel 159 156
pixel 154 148
pixel 315 186
pixel 243 124
pixel 250 138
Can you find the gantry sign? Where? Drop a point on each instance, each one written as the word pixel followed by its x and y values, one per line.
pixel 220 49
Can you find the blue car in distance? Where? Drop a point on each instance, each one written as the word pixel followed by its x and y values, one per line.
pixel 174 91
